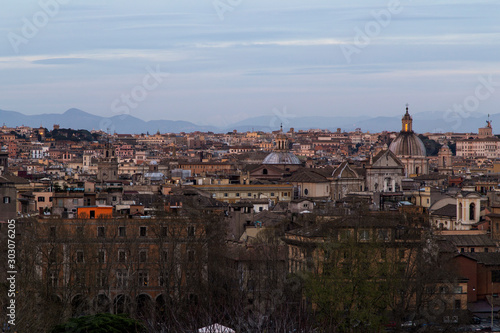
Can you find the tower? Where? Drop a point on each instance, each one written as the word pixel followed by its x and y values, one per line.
pixel 444 160
pixel 407 122
pixel 107 167
pixel 281 141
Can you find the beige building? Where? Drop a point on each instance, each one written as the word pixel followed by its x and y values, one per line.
pixel 385 173
pixel 234 193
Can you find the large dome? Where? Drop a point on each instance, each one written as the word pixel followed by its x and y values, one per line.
pixel 281 158
pixel 408 144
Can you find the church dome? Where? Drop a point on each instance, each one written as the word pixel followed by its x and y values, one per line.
pixel 281 158
pixel 407 143
pixel 281 153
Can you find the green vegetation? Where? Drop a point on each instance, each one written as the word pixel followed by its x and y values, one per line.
pixel 431 146
pixel 68 134
pixel 100 323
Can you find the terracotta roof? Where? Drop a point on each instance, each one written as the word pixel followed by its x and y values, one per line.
pixel 448 210
pixel 470 240
pixel 309 176
pixel 486 258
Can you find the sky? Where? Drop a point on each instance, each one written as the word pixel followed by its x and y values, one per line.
pixel 216 62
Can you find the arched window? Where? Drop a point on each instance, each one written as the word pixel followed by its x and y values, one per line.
pixel 306 191
pixel 459 211
pixel 264 171
pixel 472 211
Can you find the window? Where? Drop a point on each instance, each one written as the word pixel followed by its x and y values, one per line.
pixel 52 232
pixel 383 235
pixel 102 256
pixel 285 194
pixel 472 211
pixel 249 194
pixel 401 254
pixel 143 231
pixel 462 250
pixel 114 198
pixel 272 194
pixel 100 232
pixel 52 257
pixel 102 279
pixel 237 194
pixel 143 256
pixel 306 191
pixel 345 234
pixel 458 304
pixel 225 194
pixel 6 200
pixel 121 278
pixel 79 256
pixel 122 231
pixel 162 279
pixel 53 275
pixel 495 276
pixel 142 278
pixel 164 231
pixel 264 171
pixel 92 214
pixel 122 256
pixel 486 249
pixel 164 255
pixel 41 199
pixel 190 276
pixel 472 249
pixel 364 234
pixel 190 255
pixel 190 231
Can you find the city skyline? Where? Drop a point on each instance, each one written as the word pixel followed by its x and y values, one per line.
pixel 220 62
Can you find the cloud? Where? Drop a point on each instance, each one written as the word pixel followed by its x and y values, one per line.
pixel 60 61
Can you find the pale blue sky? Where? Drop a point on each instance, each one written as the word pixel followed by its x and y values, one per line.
pixel 261 55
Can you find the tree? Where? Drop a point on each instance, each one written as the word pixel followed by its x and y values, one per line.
pixel 100 323
pixel 370 268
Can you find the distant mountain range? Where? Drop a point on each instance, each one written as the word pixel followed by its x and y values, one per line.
pixel 78 119
pixel 432 121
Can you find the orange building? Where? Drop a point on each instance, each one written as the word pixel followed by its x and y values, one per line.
pixel 92 212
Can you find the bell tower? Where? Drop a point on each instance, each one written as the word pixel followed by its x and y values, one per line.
pixel 407 122
pixel 281 141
